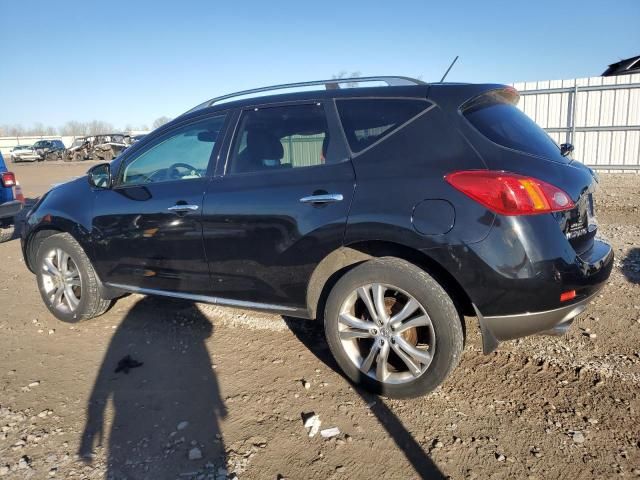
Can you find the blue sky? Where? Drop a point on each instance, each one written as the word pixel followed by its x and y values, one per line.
pixel 129 62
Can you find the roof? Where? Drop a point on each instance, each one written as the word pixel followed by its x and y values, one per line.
pixel 623 67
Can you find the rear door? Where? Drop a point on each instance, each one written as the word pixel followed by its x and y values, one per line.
pixel 278 205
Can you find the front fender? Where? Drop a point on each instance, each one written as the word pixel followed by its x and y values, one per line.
pixel 66 208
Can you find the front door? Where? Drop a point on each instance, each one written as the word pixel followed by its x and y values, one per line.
pixel 278 205
pixel 148 226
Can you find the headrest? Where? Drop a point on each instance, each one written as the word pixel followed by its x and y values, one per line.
pixel 263 145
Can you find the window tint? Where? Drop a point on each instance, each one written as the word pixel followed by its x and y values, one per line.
pixel 281 137
pixel 495 115
pixel 184 155
pixel 365 121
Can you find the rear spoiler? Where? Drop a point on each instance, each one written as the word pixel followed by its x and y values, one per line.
pixel 453 96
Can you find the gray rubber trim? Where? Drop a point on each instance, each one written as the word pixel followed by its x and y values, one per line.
pixel 507 327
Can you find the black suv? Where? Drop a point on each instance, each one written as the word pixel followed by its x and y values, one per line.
pixel 49 149
pixel 387 211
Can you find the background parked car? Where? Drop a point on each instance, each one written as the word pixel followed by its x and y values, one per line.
pixel 9 206
pixel 23 153
pixel 49 149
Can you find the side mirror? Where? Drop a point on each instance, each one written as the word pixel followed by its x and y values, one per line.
pixel 566 149
pixel 99 176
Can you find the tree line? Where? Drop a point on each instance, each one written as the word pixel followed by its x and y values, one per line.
pixel 75 128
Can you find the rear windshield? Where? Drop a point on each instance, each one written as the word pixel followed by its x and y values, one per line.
pixel 496 116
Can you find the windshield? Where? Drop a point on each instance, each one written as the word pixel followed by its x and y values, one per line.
pixel 496 116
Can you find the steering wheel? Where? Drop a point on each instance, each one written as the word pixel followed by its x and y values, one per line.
pixel 170 173
pixel 175 174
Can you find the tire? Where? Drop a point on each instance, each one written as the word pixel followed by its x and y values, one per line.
pixel 435 335
pixel 6 233
pixel 82 283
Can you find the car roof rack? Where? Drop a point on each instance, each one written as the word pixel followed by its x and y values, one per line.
pixel 332 84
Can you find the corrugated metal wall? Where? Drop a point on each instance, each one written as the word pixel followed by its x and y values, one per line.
pixel 302 151
pixel 599 115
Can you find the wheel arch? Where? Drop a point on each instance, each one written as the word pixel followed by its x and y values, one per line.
pixel 34 240
pixel 338 262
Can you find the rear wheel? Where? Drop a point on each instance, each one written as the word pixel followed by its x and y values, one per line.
pixel 392 328
pixel 67 281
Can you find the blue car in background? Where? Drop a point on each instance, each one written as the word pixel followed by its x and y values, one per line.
pixel 9 206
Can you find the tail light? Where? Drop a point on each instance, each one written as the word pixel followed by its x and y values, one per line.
pixel 509 193
pixel 8 179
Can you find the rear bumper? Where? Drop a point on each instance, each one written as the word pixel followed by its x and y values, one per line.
pixel 10 209
pixel 508 327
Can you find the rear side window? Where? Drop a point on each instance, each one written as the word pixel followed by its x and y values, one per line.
pixel 495 115
pixel 367 120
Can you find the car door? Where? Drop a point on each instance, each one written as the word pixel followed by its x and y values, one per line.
pixel 278 204
pixel 148 227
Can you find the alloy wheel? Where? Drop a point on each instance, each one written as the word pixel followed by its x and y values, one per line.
pixel 386 333
pixel 61 281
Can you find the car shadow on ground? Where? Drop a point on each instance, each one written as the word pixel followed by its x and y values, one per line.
pixel 631 265
pixel 311 334
pixel 157 375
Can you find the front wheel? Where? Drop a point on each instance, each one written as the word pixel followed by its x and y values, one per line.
pixel 67 281
pixel 392 328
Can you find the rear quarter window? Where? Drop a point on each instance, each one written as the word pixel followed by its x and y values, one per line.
pixel 366 121
pixel 495 115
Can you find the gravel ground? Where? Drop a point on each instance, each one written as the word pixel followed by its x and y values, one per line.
pixel 221 393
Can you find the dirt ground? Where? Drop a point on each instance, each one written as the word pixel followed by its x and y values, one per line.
pixel 227 388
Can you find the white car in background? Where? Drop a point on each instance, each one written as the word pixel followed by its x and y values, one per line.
pixel 23 153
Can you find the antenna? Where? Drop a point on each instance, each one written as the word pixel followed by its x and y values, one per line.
pixel 447 72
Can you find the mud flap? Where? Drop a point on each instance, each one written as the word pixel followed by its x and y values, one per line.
pixel 489 341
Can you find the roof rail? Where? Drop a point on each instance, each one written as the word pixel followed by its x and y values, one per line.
pixel 332 84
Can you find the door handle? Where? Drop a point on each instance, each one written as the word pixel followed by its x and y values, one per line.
pixel 324 198
pixel 183 208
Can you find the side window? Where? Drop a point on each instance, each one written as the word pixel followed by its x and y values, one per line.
pixel 183 155
pixel 365 121
pixel 275 138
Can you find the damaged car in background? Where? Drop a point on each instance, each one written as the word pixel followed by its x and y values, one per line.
pixel 79 150
pixel 23 153
pixel 49 149
pixel 98 147
pixel 107 147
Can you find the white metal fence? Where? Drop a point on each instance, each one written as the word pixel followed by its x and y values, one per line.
pixel 600 116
